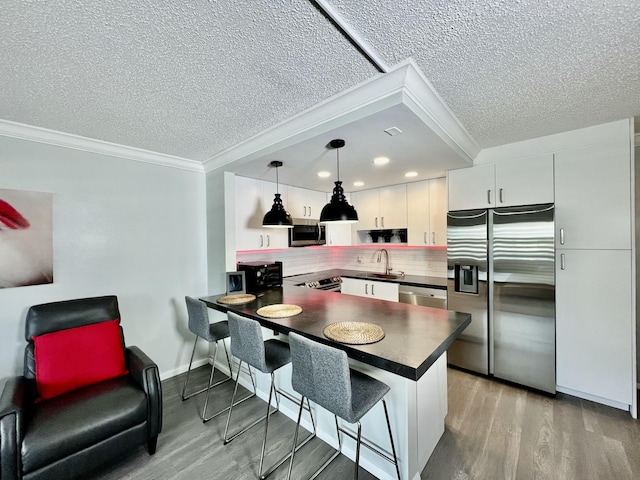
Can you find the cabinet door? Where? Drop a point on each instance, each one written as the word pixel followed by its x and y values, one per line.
pixel 365 288
pixel 438 211
pixel 524 181
pixel 250 210
pixel 274 237
pixel 593 197
pixel 315 203
pixel 367 204
pixel 393 207
pixel 471 188
pixel 594 323
pixel 297 202
pixel 418 214
pixel 339 234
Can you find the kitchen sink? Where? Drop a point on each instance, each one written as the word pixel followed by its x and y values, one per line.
pixel 387 276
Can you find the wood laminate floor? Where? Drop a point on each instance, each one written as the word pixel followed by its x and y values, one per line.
pixel 493 431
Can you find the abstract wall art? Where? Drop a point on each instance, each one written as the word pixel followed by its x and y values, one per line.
pixel 26 238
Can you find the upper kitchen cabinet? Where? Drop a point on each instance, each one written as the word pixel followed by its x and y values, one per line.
pixel 382 208
pixel 253 198
pixel 525 181
pixel 337 233
pixel 304 203
pixel 427 212
pixel 593 197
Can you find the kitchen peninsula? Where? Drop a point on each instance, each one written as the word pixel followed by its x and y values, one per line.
pixel 411 359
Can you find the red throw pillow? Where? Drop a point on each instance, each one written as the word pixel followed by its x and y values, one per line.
pixel 76 357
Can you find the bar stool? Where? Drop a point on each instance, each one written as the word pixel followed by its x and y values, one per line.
pixel 248 346
pixel 322 374
pixel 212 333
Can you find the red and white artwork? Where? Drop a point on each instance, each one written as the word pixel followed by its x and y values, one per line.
pixel 26 238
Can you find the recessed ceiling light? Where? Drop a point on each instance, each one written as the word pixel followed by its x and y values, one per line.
pixel 381 160
pixel 411 174
pixel 324 174
pixel 358 184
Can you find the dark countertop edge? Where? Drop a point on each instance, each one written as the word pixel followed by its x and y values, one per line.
pixel 404 371
pixel 439 283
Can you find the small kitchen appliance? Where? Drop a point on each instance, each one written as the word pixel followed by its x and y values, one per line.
pixel 261 276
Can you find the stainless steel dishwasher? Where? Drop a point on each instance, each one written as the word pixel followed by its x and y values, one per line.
pixel 425 296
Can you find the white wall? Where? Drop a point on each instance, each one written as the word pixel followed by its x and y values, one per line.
pixel 123 227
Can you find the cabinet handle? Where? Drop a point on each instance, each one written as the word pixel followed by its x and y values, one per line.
pixel 268 240
pixel 366 289
pixel 372 285
pixel 562 236
pixel 309 210
pixel 489 197
pixel 433 238
pixel 382 221
pixel 261 241
pixel 425 238
pixel 305 211
pixel 562 261
pixel 376 222
pixel 501 199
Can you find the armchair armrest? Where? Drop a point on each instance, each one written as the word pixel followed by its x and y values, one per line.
pixel 13 403
pixel 145 372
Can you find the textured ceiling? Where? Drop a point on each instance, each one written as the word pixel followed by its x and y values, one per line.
pixel 194 78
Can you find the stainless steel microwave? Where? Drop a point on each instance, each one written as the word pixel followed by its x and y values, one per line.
pixel 306 232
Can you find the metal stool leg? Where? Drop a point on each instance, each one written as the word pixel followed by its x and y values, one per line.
pixel 184 388
pixel 309 437
pixel 393 447
pixel 228 439
pixel 355 475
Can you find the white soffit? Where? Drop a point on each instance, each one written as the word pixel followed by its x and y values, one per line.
pixel 404 85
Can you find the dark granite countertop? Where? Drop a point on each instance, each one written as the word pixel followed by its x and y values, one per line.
pixel 415 336
pixel 414 280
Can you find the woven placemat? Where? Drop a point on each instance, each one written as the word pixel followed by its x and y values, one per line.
pixel 279 310
pixel 237 298
pixel 354 333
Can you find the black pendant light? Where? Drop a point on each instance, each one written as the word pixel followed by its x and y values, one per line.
pixel 338 209
pixel 277 217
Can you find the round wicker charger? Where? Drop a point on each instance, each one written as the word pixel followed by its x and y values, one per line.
pixel 354 333
pixel 237 298
pixel 279 310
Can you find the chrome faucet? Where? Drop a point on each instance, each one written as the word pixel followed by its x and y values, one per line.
pixel 387 270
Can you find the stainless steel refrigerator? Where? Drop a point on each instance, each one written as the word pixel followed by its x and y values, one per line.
pixel 501 269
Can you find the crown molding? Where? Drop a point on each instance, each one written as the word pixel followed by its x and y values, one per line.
pixel 76 142
pixel 404 83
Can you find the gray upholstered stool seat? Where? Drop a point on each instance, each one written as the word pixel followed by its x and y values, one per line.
pixel 321 374
pixel 212 333
pixel 248 345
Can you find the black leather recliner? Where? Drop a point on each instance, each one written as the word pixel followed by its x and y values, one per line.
pixel 71 434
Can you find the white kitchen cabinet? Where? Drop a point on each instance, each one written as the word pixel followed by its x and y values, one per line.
pixel 427 212
pixel 337 233
pixel 594 341
pixel 524 181
pixel 366 288
pixel 253 198
pixel 382 208
pixel 304 203
pixel 471 187
pixel 593 197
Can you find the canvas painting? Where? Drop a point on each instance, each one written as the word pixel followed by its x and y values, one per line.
pixel 26 238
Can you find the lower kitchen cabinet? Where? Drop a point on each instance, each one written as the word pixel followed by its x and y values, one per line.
pixel 594 325
pixel 366 288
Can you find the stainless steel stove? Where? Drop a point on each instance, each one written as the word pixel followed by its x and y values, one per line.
pixel 329 284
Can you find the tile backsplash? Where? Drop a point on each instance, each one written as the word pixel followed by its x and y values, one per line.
pixel 410 260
